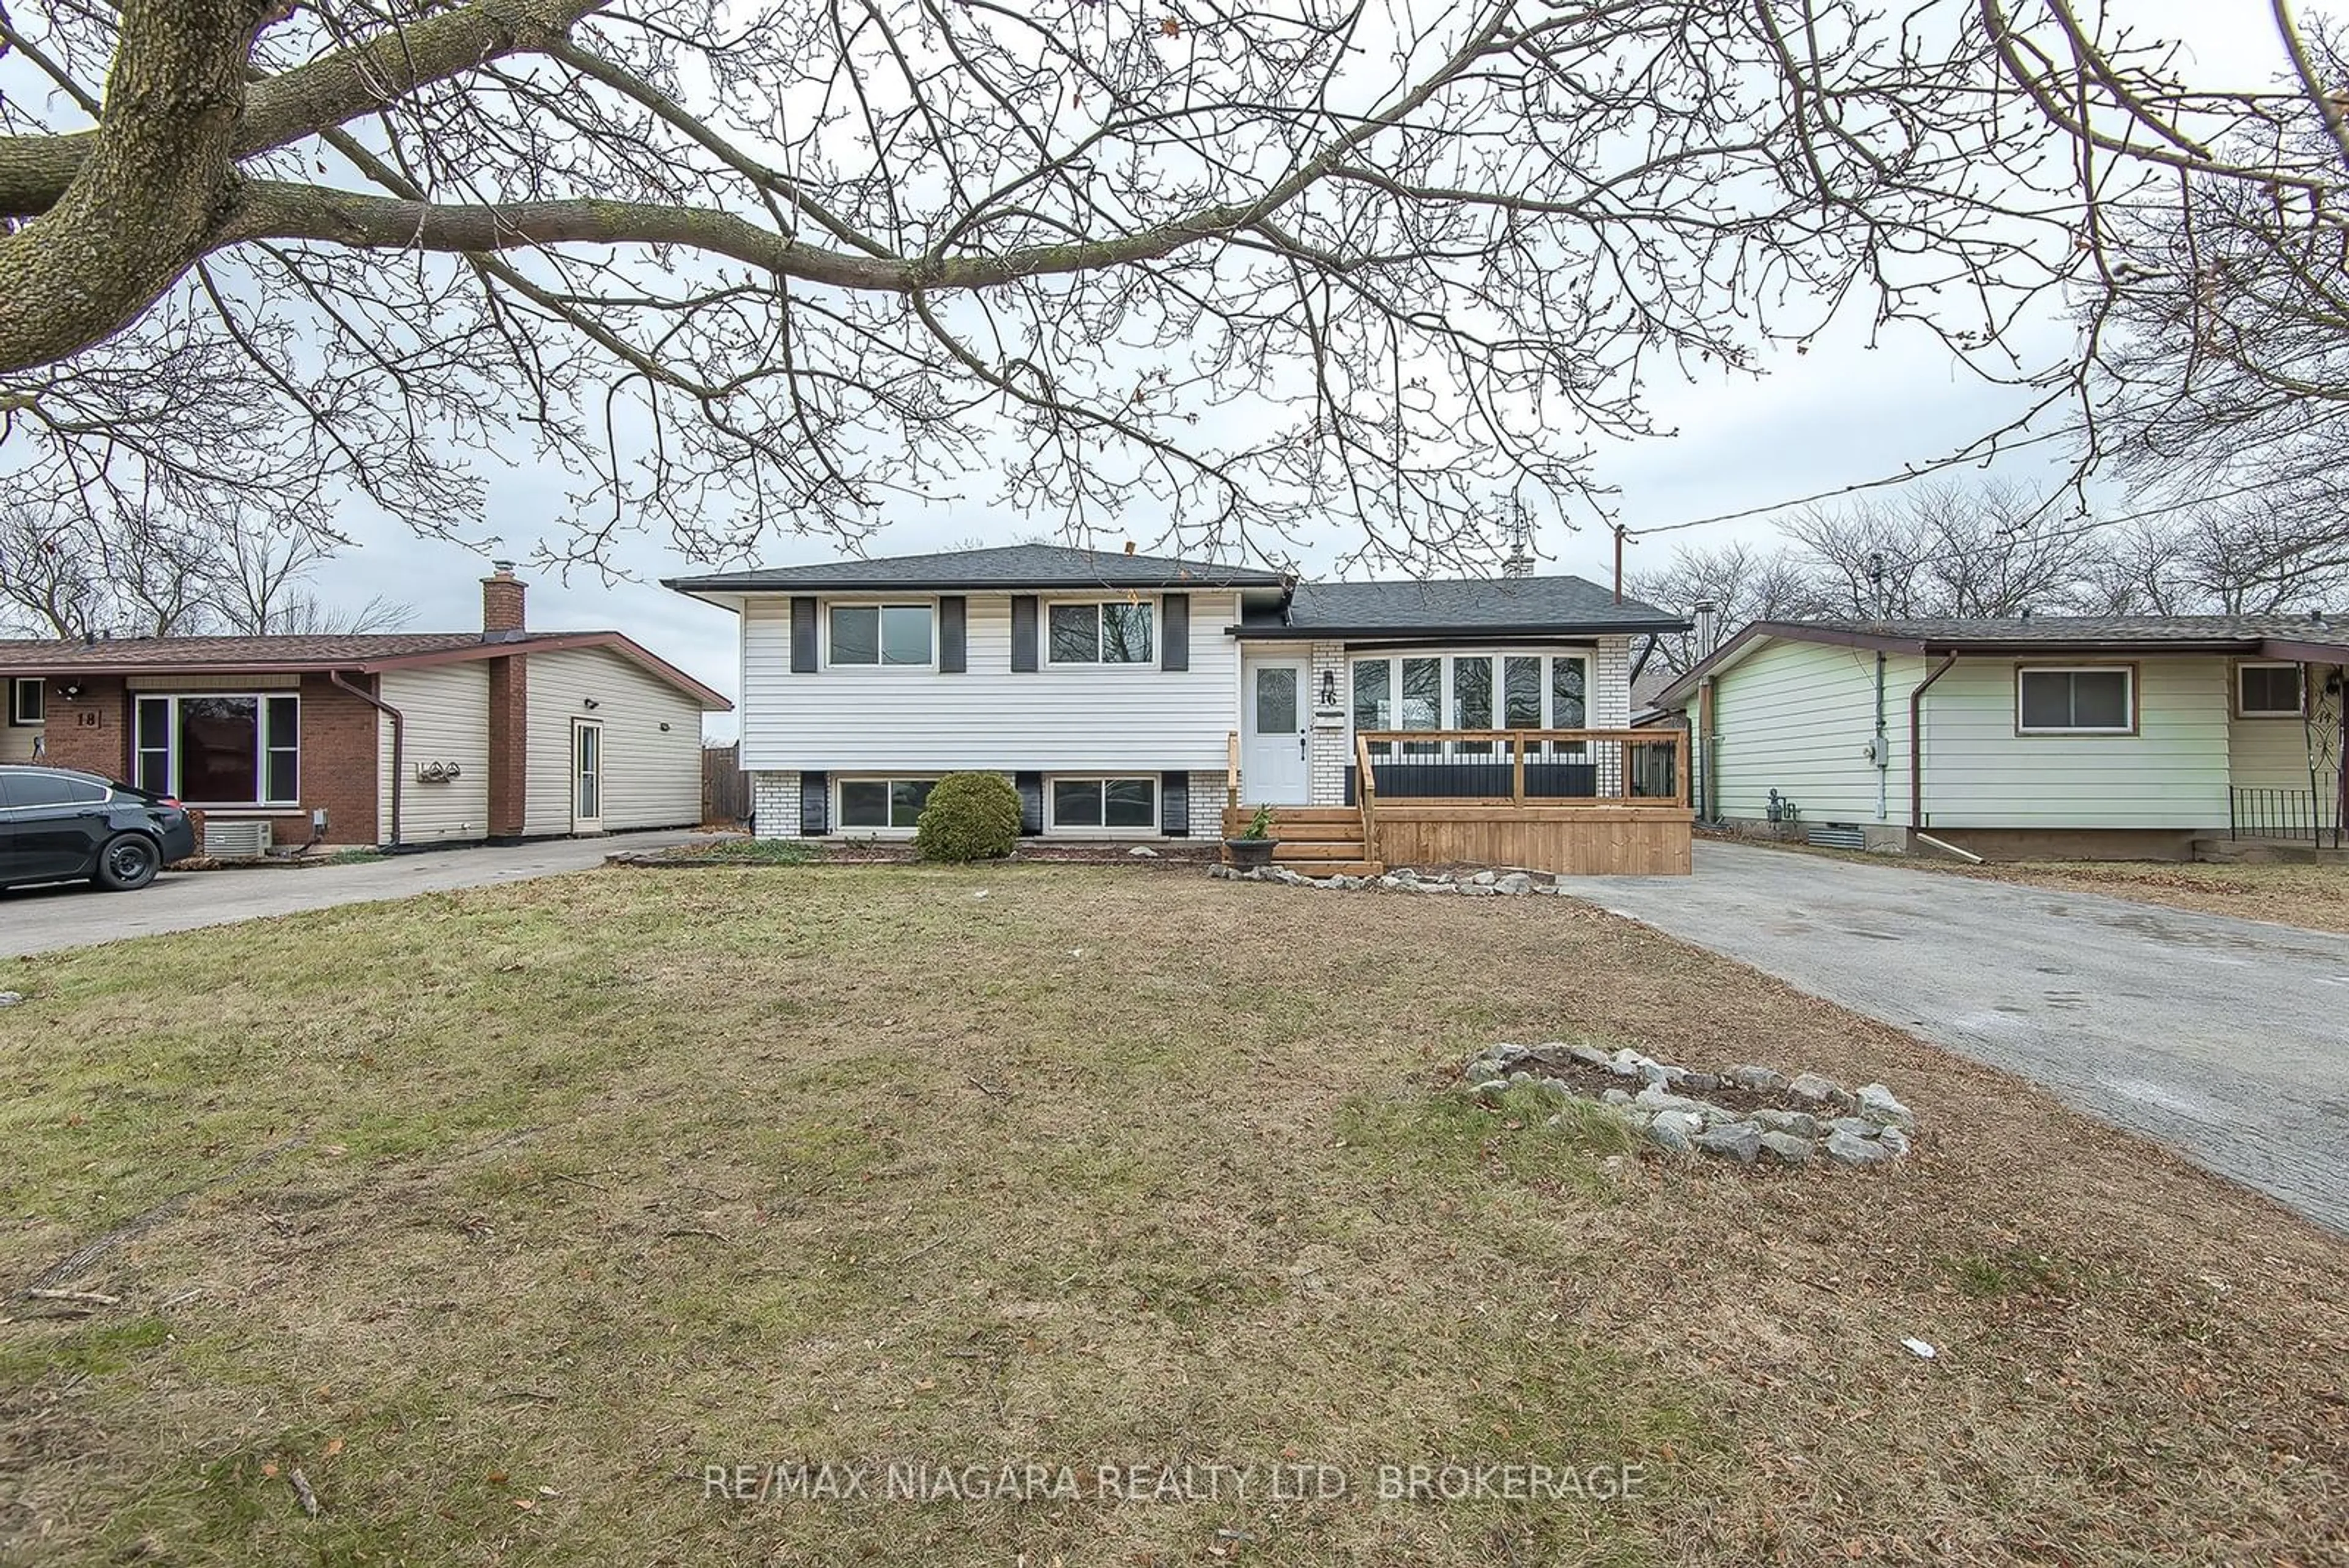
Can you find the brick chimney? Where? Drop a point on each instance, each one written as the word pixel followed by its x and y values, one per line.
pixel 501 596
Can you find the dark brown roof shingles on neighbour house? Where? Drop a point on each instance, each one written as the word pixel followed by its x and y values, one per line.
pixel 228 656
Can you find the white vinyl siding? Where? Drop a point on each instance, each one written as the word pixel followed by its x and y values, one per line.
pixel 2268 753
pixel 2170 773
pixel 1054 719
pixel 652 777
pixel 446 711
pixel 1796 717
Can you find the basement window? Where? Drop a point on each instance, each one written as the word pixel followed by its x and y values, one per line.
pixel 1121 803
pixel 892 806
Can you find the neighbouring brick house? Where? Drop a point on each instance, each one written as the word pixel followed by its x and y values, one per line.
pixel 399 739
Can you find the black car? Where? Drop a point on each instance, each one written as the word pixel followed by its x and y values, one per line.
pixel 60 826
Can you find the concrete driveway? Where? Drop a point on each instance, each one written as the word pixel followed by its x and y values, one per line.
pixel 2226 1039
pixel 38 919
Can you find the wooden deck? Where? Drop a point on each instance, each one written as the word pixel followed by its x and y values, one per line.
pixel 1578 803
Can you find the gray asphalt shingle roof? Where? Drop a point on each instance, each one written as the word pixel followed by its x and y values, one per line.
pixel 1545 606
pixel 1004 567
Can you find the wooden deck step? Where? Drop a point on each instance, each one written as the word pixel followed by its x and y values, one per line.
pixel 1288 849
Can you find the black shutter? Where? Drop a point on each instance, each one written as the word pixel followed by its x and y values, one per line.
pixel 1174 632
pixel 1031 802
pixel 1174 805
pixel 954 616
pixel 1023 631
pixel 815 803
pixel 802 636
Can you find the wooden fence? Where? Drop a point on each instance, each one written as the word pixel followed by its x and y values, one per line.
pixel 725 787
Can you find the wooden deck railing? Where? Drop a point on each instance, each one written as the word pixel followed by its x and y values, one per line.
pixel 1231 770
pixel 1367 795
pixel 1523 767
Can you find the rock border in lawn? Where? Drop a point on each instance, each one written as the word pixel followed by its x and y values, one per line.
pixel 1747 1114
pixel 1489 884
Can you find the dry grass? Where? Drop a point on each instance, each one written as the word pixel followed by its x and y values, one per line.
pixel 2315 897
pixel 610 1178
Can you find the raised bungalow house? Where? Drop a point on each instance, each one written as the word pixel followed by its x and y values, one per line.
pixel 2121 736
pixel 1129 696
pixel 401 739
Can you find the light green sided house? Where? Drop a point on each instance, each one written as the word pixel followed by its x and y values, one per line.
pixel 2136 736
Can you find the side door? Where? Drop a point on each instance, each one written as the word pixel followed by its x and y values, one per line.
pixel 58 824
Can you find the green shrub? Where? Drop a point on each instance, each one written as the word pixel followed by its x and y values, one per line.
pixel 969 817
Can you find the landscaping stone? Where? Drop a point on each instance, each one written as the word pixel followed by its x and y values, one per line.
pixel 1483 879
pixel 1740 1141
pixel 1819 1090
pixel 1663 1103
pixel 1676 1131
pixel 1853 1150
pixel 1142 852
pixel 1876 1103
pixel 1515 882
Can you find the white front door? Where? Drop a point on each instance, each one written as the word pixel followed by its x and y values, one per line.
pixel 586 776
pixel 1273 732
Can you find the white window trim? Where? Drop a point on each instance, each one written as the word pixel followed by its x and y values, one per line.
pixel 2126 671
pixel 16 685
pixel 1147 603
pixel 2244 710
pixel 1053 826
pixel 928 607
pixel 262 748
pixel 841 826
pixel 1448 708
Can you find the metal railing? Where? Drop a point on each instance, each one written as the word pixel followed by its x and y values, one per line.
pixel 1522 767
pixel 2261 813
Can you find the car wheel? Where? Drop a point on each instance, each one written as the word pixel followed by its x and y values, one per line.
pixel 128 861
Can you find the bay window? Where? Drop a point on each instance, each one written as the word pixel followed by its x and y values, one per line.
pixel 225 750
pixel 1471 691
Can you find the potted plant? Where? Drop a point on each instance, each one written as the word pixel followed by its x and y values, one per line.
pixel 1252 850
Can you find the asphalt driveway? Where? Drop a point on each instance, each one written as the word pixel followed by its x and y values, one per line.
pixel 38 919
pixel 2226 1039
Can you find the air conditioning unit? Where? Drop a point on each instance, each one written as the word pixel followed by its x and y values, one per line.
pixel 236 840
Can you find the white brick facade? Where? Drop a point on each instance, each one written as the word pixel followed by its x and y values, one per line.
pixel 1610 695
pixel 1207 805
pixel 1332 738
pixel 775 804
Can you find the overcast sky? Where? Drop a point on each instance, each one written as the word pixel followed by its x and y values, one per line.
pixel 1840 415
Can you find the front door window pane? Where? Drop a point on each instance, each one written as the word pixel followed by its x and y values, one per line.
pixel 1276 700
pixel 219 749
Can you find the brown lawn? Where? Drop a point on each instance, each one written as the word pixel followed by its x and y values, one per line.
pixel 501 1217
